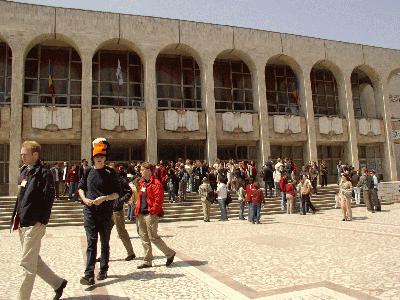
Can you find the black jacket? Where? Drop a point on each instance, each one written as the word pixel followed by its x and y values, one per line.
pixel 35 199
pixel 126 194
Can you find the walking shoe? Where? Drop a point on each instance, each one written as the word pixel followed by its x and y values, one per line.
pixel 170 260
pixel 98 259
pixel 60 290
pixel 87 280
pixel 130 257
pixel 101 275
pixel 143 266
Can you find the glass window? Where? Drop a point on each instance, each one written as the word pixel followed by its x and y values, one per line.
pixel 107 91
pixel 178 82
pixel 64 66
pixel 282 87
pixel 370 156
pixel 5 74
pixel 232 86
pixel 357 79
pixel 324 93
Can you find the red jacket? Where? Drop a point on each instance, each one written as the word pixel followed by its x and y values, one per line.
pixel 282 184
pixel 73 176
pixel 155 197
pixel 249 189
pixel 290 189
pixel 257 196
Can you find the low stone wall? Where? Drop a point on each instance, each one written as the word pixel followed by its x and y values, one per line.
pixel 389 191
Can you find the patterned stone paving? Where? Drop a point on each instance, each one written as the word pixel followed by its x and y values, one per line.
pixel 286 257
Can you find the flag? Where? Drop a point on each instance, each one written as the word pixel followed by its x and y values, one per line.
pixel 50 86
pixel 120 79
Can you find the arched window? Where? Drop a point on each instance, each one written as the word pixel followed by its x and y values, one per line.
pixel 232 86
pixel 178 82
pixel 53 76
pixel 324 93
pixel 363 95
pixel 5 73
pixel 110 89
pixel 282 89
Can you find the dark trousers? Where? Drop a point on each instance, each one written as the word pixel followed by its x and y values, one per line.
pixel 306 204
pixel 324 180
pixel 96 225
pixel 314 184
pixel 269 185
pixel 367 200
pixel 375 200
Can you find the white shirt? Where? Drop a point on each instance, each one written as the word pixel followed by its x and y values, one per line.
pixel 65 173
pixel 222 191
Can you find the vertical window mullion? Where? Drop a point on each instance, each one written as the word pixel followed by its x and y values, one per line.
pixel 69 78
pixel 38 75
pixel 127 78
pixel 231 83
pixel 5 72
pixel 182 89
pixel 98 79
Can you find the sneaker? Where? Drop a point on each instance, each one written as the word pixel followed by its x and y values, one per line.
pixel 87 280
pixel 130 257
pixel 101 275
pixel 60 290
pixel 98 259
pixel 170 260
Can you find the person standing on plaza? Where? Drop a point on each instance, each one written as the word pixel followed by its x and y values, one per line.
pixel 83 168
pixel 355 178
pixel 241 193
pixel 30 216
pixel 345 193
pixel 290 189
pixel 222 194
pixel 282 185
pixel 72 182
pixel 257 198
pixel 314 171
pixel 64 172
pixel 55 171
pixel 183 183
pixel 205 191
pixel 268 177
pixel 148 210
pixel 277 179
pixel 364 183
pixel 305 192
pixel 98 189
pixel 323 170
pixel 374 192
pixel 249 188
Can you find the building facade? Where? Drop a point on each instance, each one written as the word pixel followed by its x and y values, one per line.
pixel 162 89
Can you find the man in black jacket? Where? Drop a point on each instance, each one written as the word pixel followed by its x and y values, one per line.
pixel 30 217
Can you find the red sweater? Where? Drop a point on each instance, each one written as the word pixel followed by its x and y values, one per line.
pixel 257 196
pixel 73 176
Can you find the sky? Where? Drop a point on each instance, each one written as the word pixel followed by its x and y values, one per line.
pixel 369 22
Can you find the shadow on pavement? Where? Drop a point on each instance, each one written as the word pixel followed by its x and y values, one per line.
pixel 140 275
pixel 97 297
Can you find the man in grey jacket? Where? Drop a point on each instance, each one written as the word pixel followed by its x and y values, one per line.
pixel 364 183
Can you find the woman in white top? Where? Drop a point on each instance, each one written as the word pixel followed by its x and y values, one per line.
pixel 222 193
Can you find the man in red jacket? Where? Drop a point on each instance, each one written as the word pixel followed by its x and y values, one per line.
pixel 148 209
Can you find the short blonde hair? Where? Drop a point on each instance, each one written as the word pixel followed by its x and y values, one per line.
pixel 147 165
pixel 32 145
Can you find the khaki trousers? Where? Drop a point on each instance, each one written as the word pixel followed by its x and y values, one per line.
pixel 206 210
pixel 367 200
pixel 119 221
pixel 31 262
pixel 148 227
pixel 290 203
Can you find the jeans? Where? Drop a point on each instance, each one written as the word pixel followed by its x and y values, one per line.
pixel 73 186
pixel 277 189
pixel 96 225
pixel 357 194
pixel 222 207
pixel 268 186
pixel 171 191
pixel 306 204
pixel 250 211
pixel 130 213
pixel 256 212
pixel 283 201
pixel 241 211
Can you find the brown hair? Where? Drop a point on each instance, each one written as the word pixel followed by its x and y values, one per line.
pixel 147 165
pixel 32 145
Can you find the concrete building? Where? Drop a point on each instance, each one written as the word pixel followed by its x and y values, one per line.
pixel 190 89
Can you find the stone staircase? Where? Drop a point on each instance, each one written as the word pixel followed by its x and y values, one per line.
pixel 67 213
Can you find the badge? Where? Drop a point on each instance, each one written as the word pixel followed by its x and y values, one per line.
pixel 143 189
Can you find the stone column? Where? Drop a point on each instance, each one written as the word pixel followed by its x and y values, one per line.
pixel 207 92
pixel 86 106
pixel 347 110
pixel 306 106
pixel 390 169
pixel 150 101
pixel 260 97
pixel 17 98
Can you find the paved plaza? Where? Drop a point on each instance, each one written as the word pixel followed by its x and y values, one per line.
pixel 286 257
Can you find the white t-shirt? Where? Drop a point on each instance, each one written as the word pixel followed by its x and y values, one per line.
pixel 222 191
